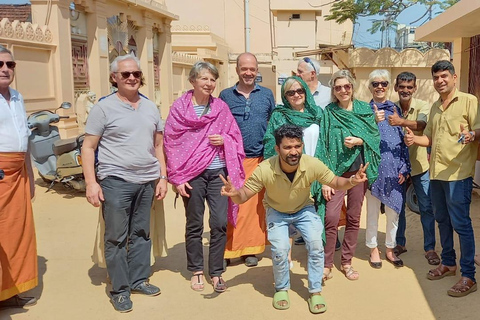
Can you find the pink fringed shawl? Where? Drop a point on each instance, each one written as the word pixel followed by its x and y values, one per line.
pixel 189 151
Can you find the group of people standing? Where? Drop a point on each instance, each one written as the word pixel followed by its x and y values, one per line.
pixel 269 172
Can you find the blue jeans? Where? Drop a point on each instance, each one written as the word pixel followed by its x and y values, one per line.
pixel 421 184
pixel 310 225
pixel 451 207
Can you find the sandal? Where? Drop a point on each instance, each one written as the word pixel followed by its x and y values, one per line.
pixel 432 258
pixel 317 300
pixel 281 296
pixel 197 284
pixel 463 287
pixel 327 275
pixel 220 286
pixel 441 272
pixel 350 273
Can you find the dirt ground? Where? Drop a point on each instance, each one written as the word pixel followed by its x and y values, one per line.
pixel 72 287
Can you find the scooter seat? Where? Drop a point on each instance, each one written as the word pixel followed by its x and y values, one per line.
pixel 64 145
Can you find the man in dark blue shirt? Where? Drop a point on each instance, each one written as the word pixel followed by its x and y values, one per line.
pixel 251 105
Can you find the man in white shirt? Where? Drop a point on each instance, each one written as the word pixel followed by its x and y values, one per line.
pixel 18 257
pixel 308 69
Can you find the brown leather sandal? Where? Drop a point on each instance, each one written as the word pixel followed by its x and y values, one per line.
pixel 432 258
pixel 463 287
pixel 440 272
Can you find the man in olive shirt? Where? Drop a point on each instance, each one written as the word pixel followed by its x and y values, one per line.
pixel 451 130
pixel 414 116
pixel 287 179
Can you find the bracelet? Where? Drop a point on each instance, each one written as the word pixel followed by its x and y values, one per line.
pixel 472 134
pixel 350 180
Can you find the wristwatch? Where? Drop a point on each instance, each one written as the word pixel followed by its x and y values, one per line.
pixel 164 177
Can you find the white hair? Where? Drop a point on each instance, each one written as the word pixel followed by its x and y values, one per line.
pixel 114 64
pixel 379 73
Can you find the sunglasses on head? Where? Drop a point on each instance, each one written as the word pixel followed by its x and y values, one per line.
pixel 309 61
pixel 347 87
pixel 291 93
pixel 10 64
pixel 126 74
pixel 375 84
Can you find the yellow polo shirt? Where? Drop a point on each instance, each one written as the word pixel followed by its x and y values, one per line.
pixel 418 111
pixel 449 159
pixel 283 195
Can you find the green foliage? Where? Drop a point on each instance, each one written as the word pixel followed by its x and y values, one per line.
pixel 343 10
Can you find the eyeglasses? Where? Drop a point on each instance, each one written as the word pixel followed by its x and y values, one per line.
pixel 10 64
pixel 126 74
pixel 291 93
pixel 347 87
pixel 384 84
pixel 309 61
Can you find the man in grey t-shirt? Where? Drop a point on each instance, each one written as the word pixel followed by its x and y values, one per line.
pixel 126 129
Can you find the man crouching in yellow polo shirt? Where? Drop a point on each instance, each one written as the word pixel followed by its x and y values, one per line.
pixel 453 124
pixel 287 179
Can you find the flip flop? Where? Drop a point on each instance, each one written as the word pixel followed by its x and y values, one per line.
pixel 281 296
pixel 314 300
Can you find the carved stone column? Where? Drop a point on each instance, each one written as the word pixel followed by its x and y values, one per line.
pixel 166 69
pixel 98 45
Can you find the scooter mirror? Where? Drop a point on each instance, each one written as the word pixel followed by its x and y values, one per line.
pixel 66 105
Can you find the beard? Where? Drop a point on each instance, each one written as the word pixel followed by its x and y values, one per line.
pixel 292 160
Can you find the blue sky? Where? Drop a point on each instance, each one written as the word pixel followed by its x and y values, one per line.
pixel 363 38
pixel 16 2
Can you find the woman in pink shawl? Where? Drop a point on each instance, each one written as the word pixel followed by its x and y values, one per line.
pixel 202 141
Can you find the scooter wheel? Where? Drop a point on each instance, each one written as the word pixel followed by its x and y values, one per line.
pixel 412 200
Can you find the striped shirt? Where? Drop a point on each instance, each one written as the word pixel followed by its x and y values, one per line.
pixel 217 162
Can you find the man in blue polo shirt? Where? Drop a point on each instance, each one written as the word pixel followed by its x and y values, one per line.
pixel 251 105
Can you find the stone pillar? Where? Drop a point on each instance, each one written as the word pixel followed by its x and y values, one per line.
pixel 97 42
pixel 145 54
pixel 57 18
pixel 166 69
pixel 461 62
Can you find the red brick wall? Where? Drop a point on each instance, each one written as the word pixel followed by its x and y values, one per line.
pixel 23 13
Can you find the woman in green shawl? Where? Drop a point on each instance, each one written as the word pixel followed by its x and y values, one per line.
pixel 349 137
pixel 299 109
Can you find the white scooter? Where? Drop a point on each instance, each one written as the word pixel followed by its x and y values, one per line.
pixel 57 160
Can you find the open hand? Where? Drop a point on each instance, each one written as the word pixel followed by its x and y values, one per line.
pixel 182 189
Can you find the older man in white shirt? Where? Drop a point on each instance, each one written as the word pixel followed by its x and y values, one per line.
pixel 18 257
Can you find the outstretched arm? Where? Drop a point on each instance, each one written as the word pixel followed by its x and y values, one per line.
pixel 340 183
pixel 238 196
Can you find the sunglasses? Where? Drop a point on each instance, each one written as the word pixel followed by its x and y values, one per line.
pixel 10 64
pixel 291 93
pixel 126 74
pixel 309 61
pixel 384 84
pixel 347 87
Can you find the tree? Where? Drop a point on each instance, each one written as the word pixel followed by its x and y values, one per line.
pixel 389 10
